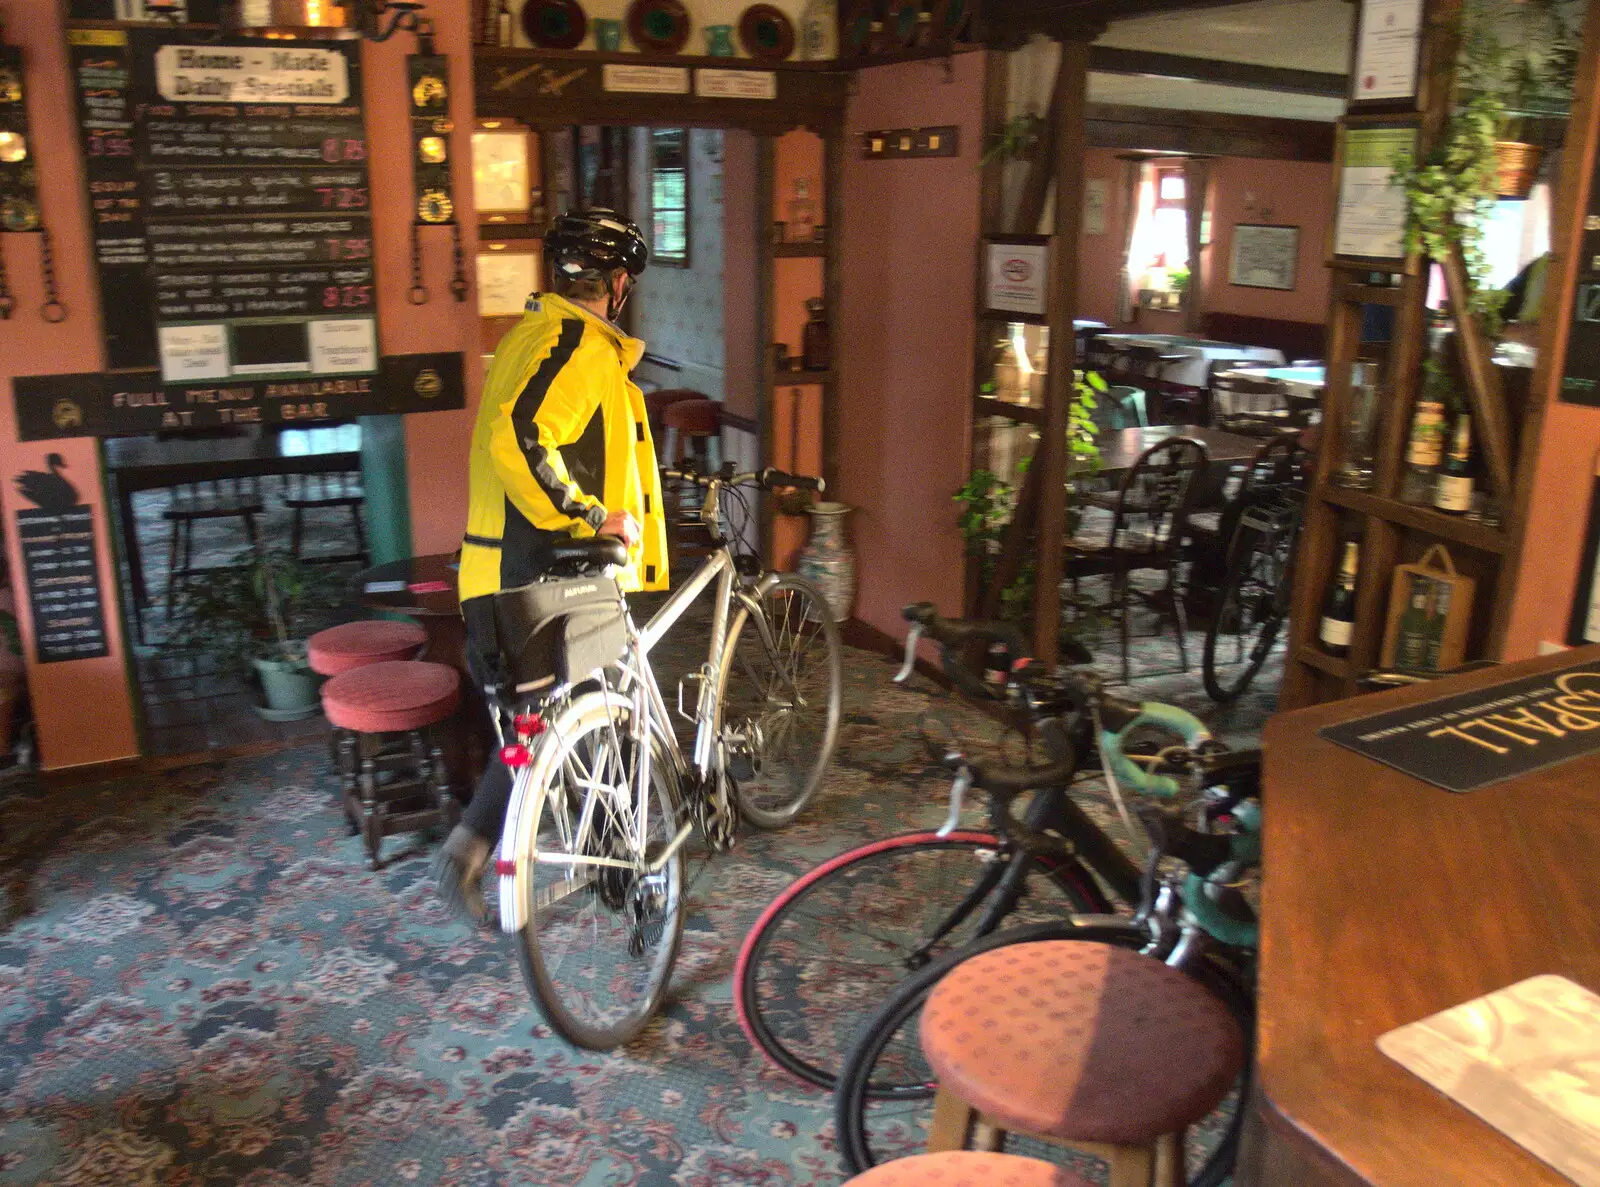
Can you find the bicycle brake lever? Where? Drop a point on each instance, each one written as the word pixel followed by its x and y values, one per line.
pixel 958 792
pixel 913 637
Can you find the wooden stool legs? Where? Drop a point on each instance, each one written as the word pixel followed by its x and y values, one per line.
pixel 1158 1163
pixel 415 795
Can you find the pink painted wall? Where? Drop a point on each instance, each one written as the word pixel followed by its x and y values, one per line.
pixel 905 337
pixel 84 708
pixel 1242 190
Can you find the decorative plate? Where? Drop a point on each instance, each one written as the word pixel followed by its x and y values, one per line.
pixel 658 26
pixel 766 33
pixel 554 24
pixel 902 24
pixel 858 31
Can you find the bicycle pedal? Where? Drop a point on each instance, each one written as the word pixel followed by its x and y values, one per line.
pixel 741 767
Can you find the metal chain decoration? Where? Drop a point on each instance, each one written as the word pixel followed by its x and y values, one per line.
pixel 19 185
pixel 429 72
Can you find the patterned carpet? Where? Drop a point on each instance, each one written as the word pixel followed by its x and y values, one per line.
pixel 201 983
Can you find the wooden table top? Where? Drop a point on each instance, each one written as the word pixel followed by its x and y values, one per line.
pixel 415 570
pixel 1120 448
pixel 1386 900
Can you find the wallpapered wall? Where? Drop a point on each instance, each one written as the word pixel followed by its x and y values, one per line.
pixel 679 312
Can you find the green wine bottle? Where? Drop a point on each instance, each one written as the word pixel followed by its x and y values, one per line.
pixel 1411 646
pixel 1339 605
pixel 1454 493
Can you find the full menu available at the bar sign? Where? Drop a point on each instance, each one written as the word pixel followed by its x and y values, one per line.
pixel 63 584
pixel 230 200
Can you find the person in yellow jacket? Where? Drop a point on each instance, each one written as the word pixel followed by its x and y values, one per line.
pixel 561 449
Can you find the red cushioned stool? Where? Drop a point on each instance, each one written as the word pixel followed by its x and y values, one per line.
pixel 1085 1045
pixel 394 774
pixel 963 1168
pixel 357 644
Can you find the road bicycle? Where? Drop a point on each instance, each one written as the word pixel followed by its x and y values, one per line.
pixel 1194 919
pixel 828 951
pixel 604 798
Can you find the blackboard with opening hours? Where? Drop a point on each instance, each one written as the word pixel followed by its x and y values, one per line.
pixel 58 561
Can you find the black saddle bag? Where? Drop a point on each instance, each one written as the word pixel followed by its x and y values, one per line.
pixel 558 632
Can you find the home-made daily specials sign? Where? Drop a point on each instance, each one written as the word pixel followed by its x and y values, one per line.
pixel 1473 739
pixel 230 204
pixel 63 583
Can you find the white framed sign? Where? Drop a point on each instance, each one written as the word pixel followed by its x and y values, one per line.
pixel 1096 201
pixel 1264 257
pixel 505 280
pixel 1016 276
pixel 1370 220
pixel 500 180
pixel 736 84
pixel 1387 50
pixel 644 80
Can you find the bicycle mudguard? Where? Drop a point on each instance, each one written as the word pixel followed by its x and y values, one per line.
pixel 1186 725
pixel 1213 920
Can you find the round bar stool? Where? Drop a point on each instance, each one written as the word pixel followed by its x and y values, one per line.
pixel 394 777
pixel 964 1168
pixel 693 427
pixel 657 402
pixel 357 644
pixel 1088 1046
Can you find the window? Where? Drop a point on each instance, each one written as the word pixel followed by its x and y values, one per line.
pixel 1158 252
pixel 669 197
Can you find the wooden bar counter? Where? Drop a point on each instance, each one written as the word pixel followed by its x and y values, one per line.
pixel 1385 900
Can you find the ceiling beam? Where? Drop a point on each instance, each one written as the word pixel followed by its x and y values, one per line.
pixel 1207 133
pixel 1009 23
pixel 1105 59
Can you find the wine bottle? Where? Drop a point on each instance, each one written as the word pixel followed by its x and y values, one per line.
pixel 1411 643
pixel 1339 605
pixel 1436 624
pixel 1454 495
pixel 1425 451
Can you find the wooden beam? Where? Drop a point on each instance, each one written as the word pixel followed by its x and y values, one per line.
pixel 1484 391
pixel 1207 133
pixel 1041 170
pixel 1072 82
pixel 1015 544
pixel 1009 23
pixel 1107 59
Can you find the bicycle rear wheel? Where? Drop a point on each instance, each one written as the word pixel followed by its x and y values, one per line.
pixel 831 948
pixel 599 941
pixel 883 1102
pixel 778 707
pixel 1250 612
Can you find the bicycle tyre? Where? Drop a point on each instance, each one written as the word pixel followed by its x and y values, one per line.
pixel 598 920
pixel 855 1090
pixel 888 879
pixel 782 786
pixel 1224 687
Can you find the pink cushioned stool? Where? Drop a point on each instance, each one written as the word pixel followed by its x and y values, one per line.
pixel 1082 1044
pixel 963 1168
pixel 356 644
pixel 393 773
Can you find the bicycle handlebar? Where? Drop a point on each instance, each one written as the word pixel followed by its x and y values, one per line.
pixel 767 479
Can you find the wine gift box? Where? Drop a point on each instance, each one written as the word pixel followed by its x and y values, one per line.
pixel 1430 609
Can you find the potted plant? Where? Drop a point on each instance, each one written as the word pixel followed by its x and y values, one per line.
pixel 1528 53
pixel 254 617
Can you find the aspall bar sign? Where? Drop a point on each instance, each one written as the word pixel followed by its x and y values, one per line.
pixel 251 74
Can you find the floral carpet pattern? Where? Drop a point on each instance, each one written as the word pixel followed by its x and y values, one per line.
pixel 201 983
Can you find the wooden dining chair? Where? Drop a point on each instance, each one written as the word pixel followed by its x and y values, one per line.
pixel 1172 403
pixel 326 491
pixel 1149 520
pixel 211 498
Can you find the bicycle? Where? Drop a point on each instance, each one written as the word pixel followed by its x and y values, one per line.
pixel 1258 578
pixel 823 955
pixel 604 797
pixel 1195 921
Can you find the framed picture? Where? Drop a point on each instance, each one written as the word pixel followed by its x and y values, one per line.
pixel 1016 277
pixel 1387 48
pixel 1264 257
pixel 502 185
pixel 1369 224
pixel 507 273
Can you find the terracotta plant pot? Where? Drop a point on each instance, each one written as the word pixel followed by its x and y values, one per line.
pixel 1516 167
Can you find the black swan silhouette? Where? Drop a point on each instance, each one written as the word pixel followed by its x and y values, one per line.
pixel 51 492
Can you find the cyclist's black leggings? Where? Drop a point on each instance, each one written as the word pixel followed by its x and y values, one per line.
pixel 485 814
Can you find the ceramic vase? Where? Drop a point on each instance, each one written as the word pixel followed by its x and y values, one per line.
pixel 828 561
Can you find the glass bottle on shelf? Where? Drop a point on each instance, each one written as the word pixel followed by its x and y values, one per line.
pixel 1425 452
pixel 1357 468
pixel 1454 496
pixel 1411 638
pixel 1339 604
pixel 1436 623
pixel 802 213
pixel 816 343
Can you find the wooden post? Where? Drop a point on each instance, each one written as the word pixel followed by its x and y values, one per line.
pixel 1036 186
pixel 1484 392
pixel 1071 95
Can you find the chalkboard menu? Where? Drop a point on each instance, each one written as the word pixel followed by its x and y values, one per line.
pixel 230 204
pixel 63 583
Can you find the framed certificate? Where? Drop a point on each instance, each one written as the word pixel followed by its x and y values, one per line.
pixel 502 185
pixel 507 274
pixel 1369 224
pixel 1388 43
pixel 1264 257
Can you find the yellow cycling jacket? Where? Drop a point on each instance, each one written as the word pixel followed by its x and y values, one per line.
pixel 561 439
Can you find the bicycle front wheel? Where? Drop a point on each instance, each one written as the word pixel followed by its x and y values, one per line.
pixel 1250 613
pixel 603 911
pixel 831 948
pixel 778 707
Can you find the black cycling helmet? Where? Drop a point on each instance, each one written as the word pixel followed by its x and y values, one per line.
pixel 596 242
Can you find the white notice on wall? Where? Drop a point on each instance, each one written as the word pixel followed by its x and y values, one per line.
pixel 343 345
pixel 1015 277
pixel 1386 58
pixel 296 73
pixel 1371 218
pixel 1096 198
pixel 736 84
pixel 193 353
pixel 645 80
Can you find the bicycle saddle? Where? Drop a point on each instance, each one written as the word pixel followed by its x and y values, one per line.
pixel 593 552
